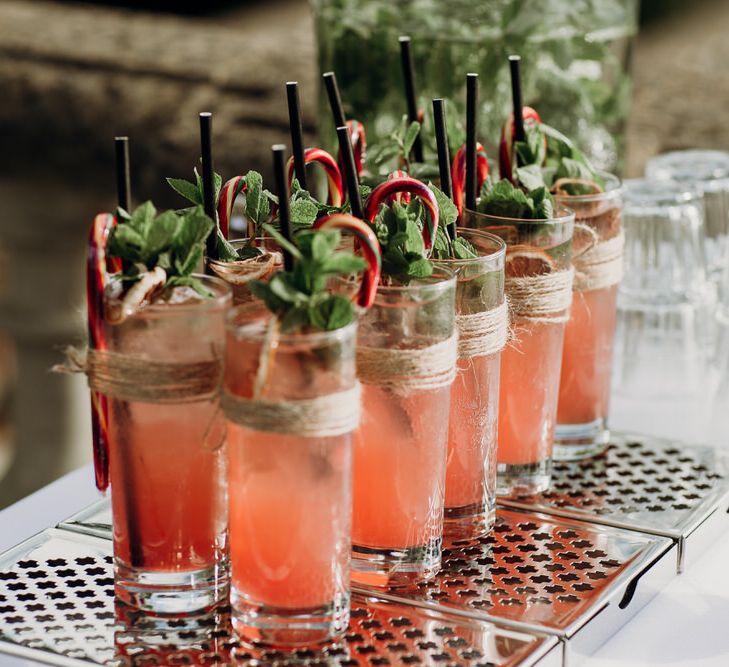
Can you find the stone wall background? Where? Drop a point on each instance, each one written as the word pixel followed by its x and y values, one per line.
pixel 72 76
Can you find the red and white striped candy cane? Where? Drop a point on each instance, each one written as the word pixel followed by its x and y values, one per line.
pixel 382 193
pixel 403 198
pixel 506 145
pixel 96 281
pixel 458 171
pixel 335 191
pixel 228 194
pixel 370 247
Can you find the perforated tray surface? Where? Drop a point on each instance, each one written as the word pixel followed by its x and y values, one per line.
pixel 57 606
pixel 537 569
pixel 642 483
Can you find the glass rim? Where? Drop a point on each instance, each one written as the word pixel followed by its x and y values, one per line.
pixel 259 312
pixel 563 216
pixel 608 193
pixel 495 255
pixel 443 280
pixel 223 296
pixel 646 192
pixel 667 167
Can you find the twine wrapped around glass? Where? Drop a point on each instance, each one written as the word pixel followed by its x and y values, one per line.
pixel 406 361
pixel 538 286
pixel 291 402
pixel 482 320
pixel 161 372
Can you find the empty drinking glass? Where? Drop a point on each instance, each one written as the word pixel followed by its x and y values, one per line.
pixel 708 172
pixel 665 335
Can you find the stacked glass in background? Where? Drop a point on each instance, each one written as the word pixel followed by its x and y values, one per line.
pixel 672 356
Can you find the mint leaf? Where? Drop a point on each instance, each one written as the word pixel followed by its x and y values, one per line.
pixel 299 297
pixel 331 313
pixel 446 208
pixel 503 199
pixel 462 249
pixel 303 212
pixel 174 241
pixel 224 251
pixel 419 267
pixel 411 134
pixel 529 177
pixel 187 189
pixel 258 208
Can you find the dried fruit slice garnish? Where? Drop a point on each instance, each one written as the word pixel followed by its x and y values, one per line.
pixel 259 267
pixel 525 260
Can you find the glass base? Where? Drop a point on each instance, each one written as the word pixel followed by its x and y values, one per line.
pixel 171 592
pixel 573 442
pixel 395 568
pixel 523 479
pixel 286 627
pixel 469 521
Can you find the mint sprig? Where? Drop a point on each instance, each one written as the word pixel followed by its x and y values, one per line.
pixel 399 231
pixel 562 159
pixel 257 208
pixel 503 199
pixel 299 297
pixel 443 246
pixel 174 241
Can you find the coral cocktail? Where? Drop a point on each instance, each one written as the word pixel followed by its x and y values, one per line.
pixel 584 391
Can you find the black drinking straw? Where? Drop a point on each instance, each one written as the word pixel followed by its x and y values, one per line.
pixel 297 132
pixel 123 179
pixel 514 65
pixel 282 190
pixel 350 171
pixel 206 148
pixel 408 75
pixel 124 201
pixel 471 130
pixel 444 160
pixel 335 101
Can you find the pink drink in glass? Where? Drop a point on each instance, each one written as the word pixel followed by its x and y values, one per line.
pixel 584 393
pixel 167 464
pixel 289 496
pixel 531 361
pixel 400 447
pixel 470 491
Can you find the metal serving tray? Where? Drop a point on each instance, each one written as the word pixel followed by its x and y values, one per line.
pixel 57 607
pixel 93 520
pixel 642 483
pixel 580 582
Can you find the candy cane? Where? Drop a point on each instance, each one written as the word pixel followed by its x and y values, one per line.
pixel 506 146
pixel 96 279
pixel 370 249
pixel 359 144
pixel 228 194
pixel 458 171
pixel 403 198
pixel 335 192
pixel 384 191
